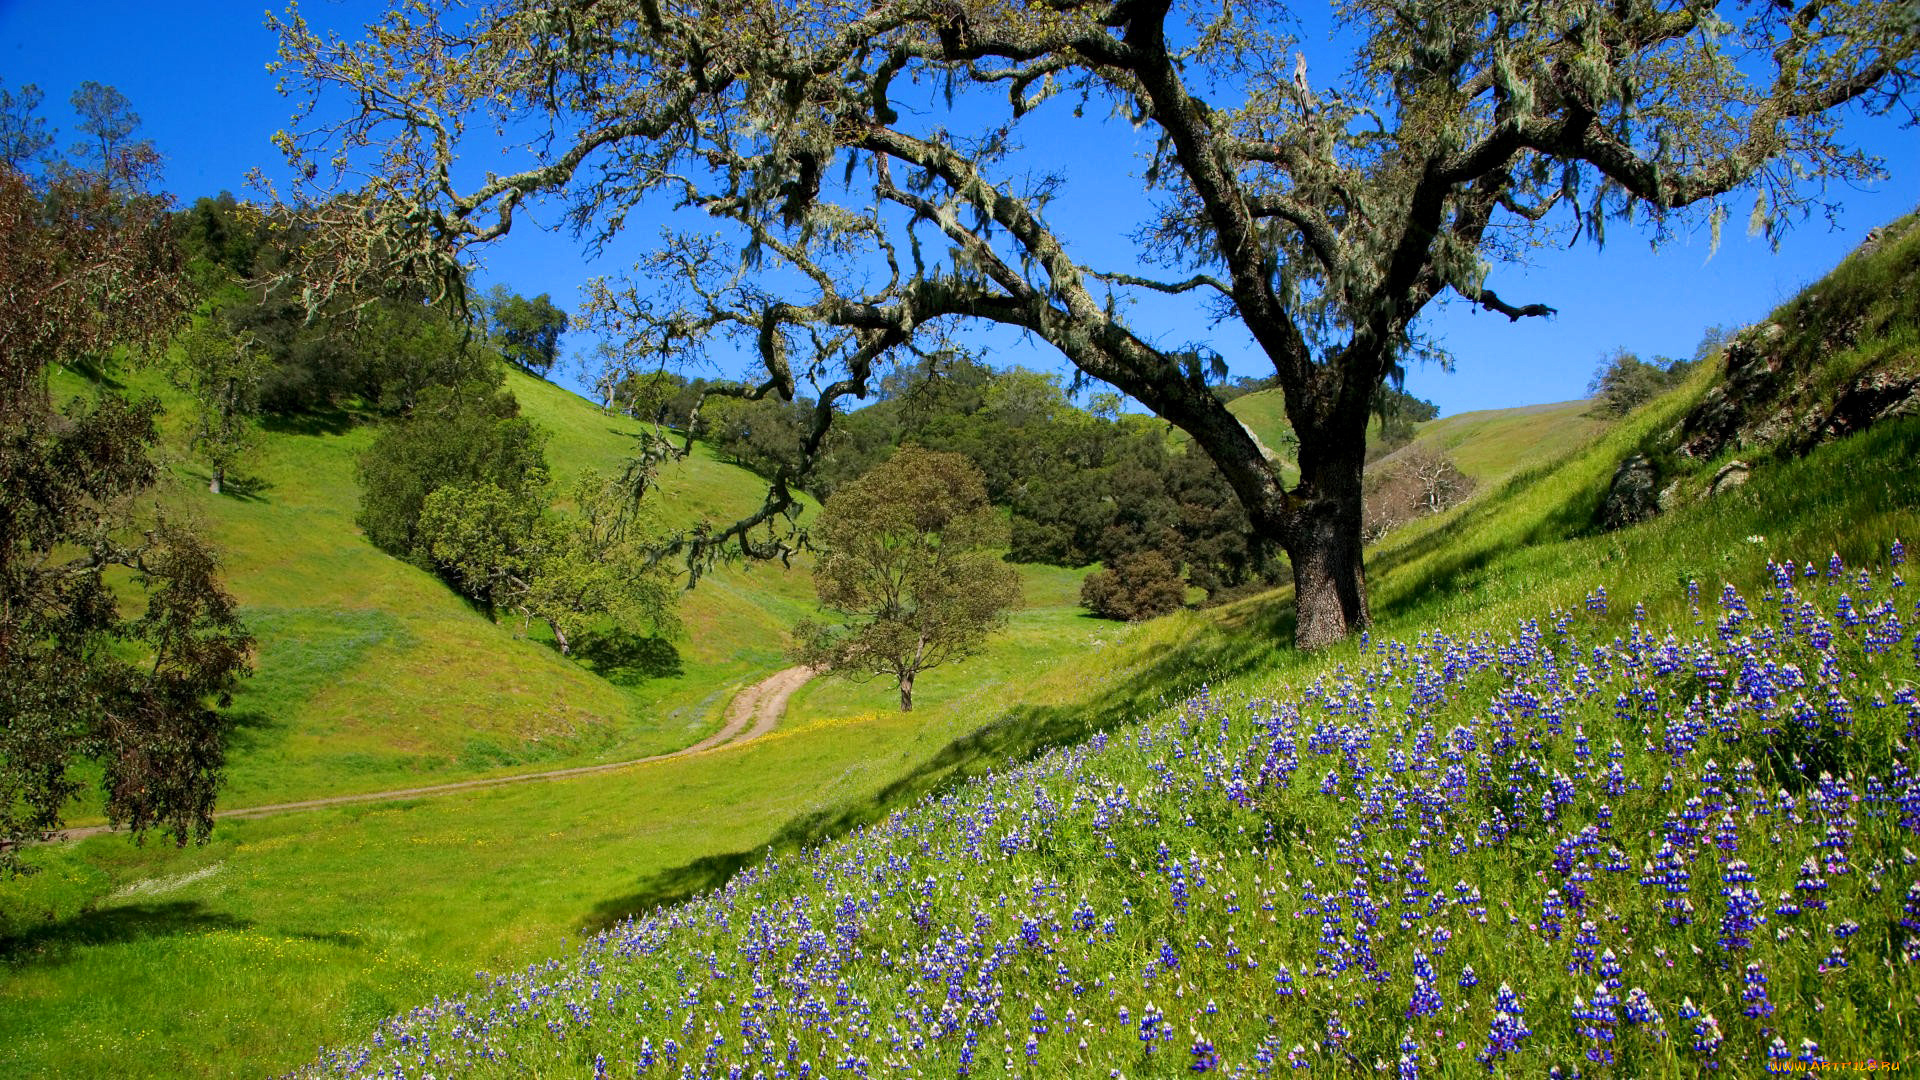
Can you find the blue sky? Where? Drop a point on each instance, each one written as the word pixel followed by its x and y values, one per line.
pixel 196 73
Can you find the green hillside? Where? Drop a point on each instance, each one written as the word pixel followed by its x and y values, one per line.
pixel 372 675
pixel 1488 445
pixel 292 932
pixel 1493 444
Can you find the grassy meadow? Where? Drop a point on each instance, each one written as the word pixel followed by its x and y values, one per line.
pixel 290 933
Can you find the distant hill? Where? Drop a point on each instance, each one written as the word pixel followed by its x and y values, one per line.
pixel 371 674
pixel 1487 444
pixel 1493 444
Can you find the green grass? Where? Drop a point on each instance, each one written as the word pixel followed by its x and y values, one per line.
pixel 311 925
pixel 286 933
pixel 371 675
pixel 1493 444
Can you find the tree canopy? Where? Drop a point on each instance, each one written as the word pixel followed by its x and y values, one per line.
pixel 526 330
pixel 881 200
pixel 910 553
pixel 88 672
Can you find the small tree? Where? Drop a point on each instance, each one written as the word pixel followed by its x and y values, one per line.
pixel 1623 382
pixel 223 373
pixel 1414 483
pixel 1139 585
pixel 508 552
pixel 527 332
pixel 910 553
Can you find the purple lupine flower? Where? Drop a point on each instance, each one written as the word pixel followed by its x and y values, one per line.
pixel 1507 1028
pixel 1753 994
pixel 1744 911
pixel 1409 1064
pixel 1426 997
pixel 1639 1009
pixel 1583 944
pixel 1707 1039
pixel 1595 1020
pixel 1204 1057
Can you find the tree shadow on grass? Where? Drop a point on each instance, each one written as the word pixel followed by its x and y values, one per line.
pixel 330 420
pixel 1016 735
pixel 625 658
pixel 251 729
pixel 251 489
pixel 57 940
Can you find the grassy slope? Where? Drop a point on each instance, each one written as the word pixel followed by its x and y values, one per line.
pixel 313 925
pixel 371 675
pixel 1488 445
pixel 1493 444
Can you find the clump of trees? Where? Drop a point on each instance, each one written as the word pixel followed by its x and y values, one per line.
pixel 468 435
pixel 1399 414
pixel 375 350
pixel 910 556
pixel 1623 382
pixel 460 486
pixel 1079 485
pixel 131 684
pixel 1138 585
pixel 515 554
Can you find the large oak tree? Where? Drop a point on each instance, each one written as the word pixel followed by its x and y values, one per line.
pixel 865 155
pixel 117 638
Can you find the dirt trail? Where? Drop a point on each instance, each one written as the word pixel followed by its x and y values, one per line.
pixel 760 705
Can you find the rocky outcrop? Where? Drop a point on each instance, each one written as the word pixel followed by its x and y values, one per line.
pixel 1766 404
pixel 1633 497
pixel 1827 365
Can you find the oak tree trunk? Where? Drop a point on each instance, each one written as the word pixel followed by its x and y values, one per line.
pixel 906 692
pixel 1329 579
pixel 1323 538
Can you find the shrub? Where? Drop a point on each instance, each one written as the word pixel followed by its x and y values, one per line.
pixel 1137 586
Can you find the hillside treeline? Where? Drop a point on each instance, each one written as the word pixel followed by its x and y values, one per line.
pixel 1080 485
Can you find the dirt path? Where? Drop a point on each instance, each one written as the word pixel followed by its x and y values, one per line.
pixel 760 705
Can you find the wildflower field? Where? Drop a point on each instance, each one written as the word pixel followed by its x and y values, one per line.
pixel 1588 845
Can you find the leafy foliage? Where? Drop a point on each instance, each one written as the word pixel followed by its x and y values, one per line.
pixel 90 267
pixel 526 331
pixel 1139 585
pixel 470 436
pixel 911 553
pixel 510 553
